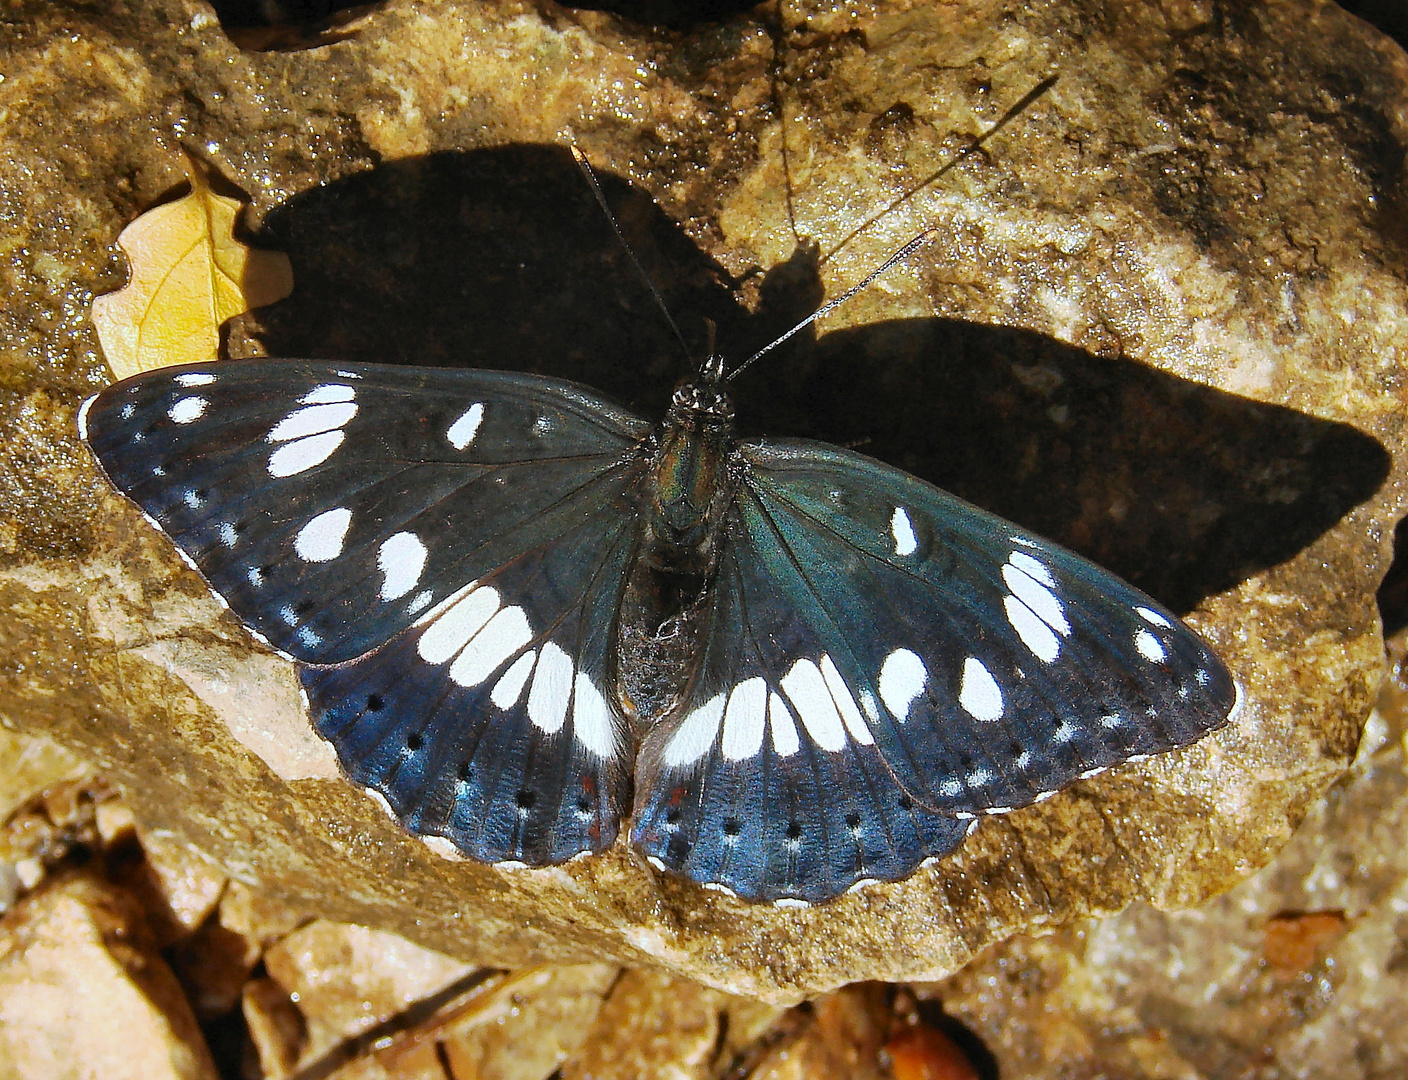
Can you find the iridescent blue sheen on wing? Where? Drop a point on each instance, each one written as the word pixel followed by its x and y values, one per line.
pixel 936 663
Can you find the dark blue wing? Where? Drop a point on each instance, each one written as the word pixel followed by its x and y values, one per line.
pixel 445 549
pixel 922 660
pixel 491 722
pixel 332 504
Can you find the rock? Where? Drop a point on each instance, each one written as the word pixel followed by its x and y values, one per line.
pixel 83 991
pixel 31 763
pixel 652 1025
pixel 341 980
pixel 1162 322
pixel 217 959
pixel 1301 971
pixel 351 1002
pixel 543 1022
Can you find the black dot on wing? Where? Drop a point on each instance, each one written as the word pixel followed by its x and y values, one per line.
pixel 374 703
pixel 584 805
pixel 414 741
pixel 526 799
pixel 672 816
pixel 465 771
pixel 904 802
pixel 794 830
pixel 853 821
pixel 732 826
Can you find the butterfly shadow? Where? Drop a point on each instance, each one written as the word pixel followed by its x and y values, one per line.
pixel 501 259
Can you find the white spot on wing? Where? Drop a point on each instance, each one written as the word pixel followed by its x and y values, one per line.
pixel 903 531
pixel 591 719
pixel 979 777
pixel 1033 568
pixel 902 679
pixel 83 416
pixel 1035 634
pixel 328 394
pixel 868 706
pixel 1151 616
pixel 503 635
pixel 321 539
pixel 552 689
pixel 1150 647
pixel 401 558
pixel 845 702
pixel 806 689
pixel 978 692
pixel 300 456
pixel 455 625
pixel 454 598
pixel 784 731
pixel 744 719
pixel 509 688
pixel 195 378
pixel 1043 602
pixel 312 420
pixel 463 430
pixel 187 410
pixel 695 736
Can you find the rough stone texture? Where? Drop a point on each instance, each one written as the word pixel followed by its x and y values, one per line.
pixel 1299 973
pixel 1163 322
pixel 83 991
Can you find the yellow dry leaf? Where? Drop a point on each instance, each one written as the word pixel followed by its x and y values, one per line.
pixel 188 275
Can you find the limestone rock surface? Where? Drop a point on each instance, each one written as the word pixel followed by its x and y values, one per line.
pixel 1163 322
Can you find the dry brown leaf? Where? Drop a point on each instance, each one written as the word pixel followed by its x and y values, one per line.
pixel 188 275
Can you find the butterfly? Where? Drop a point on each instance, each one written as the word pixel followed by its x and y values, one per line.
pixel 528 618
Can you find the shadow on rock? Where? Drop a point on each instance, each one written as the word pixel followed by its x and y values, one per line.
pixel 501 259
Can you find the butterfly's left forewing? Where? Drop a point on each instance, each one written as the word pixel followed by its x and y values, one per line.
pixel 921 656
pixel 331 504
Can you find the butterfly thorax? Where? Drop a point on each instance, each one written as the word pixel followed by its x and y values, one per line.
pixel 688 485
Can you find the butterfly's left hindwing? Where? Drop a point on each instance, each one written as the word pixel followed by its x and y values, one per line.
pixel 491 722
pixel 912 652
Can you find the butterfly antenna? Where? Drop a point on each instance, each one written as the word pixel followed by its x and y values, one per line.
pixel 957 159
pixel 899 256
pixel 919 241
pixel 582 163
